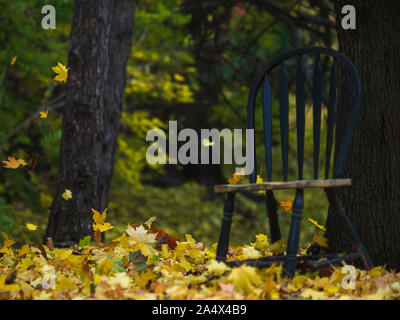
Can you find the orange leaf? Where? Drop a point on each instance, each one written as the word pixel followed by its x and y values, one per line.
pixel 13 163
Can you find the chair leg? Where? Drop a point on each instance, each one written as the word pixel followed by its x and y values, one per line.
pixel 223 242
pixel 338 208
pixel 289 266
pixel 272 208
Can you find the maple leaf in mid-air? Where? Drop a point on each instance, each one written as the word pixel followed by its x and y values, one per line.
pixel 315 223
pixel 62 73
pixel 286 205
pixel 320 240
pixel 43 114
pixel 67 194
pixel 31 226
pixel 98 217
pixel 99 223
pixel 236 177
pixel 13 163
pixel 260 180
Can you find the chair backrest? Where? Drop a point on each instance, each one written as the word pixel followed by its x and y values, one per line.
pixel 344 116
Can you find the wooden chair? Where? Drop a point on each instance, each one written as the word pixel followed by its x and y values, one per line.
pixel 345 118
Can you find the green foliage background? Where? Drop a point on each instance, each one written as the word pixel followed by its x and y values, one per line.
pixel 163 83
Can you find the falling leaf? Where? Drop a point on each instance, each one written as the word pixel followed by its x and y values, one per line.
pixel 62 73
pixel 13 163
pixel 43 114
pixel 320 240
pixel 13 60
pixel 236 177
pixel 150 221
pixel 67 194
pixel 315 223
pixel 178 77
pixel 286 205
pixel 99 223
pixel 99 217
pixel 103 227
pixel 31 226
pixel 260 180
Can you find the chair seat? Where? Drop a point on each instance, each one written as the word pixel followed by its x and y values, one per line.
pixel 300 184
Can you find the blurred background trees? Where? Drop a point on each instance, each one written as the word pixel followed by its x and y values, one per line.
pixel 191 61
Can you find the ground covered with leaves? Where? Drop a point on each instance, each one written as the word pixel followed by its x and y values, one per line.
pixel 147 263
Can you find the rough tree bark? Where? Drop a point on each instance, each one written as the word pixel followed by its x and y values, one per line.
pixel 373 202
pixel 100 42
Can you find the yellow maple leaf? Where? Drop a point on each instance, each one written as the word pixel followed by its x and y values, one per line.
pixel 320 240
pixel 315 223
pixel 260 180
pixel 312 294
pixel 13 60
pixel 105 265
pixel 65 283
pixel 13 163
pixel 24 250
pixel 62 73
pixel 99 217
pixel 278 247
pixel 178 77
pixel 376 272
pixel 43 114
pixel 145 277
pixel 245 278
pixel 299 280
pixel 99 223
pixel 31 226
pixel 261 243
pixel 217 268
pixel 102 227
pixel 8 287
pixel 67 194
pixel 6 244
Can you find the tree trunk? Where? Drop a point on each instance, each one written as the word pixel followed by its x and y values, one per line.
pixel 373 202
pixel 100 42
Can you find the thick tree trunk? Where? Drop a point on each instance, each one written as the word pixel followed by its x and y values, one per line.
pixel 100 42
pixel 373 202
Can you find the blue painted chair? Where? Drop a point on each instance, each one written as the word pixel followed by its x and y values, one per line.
pixel 342 117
